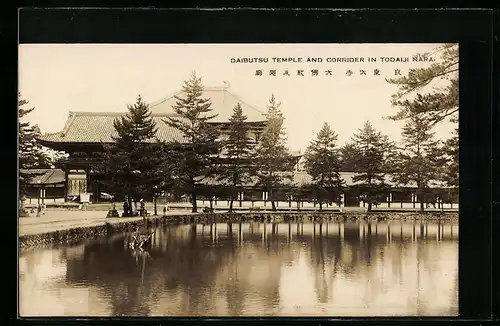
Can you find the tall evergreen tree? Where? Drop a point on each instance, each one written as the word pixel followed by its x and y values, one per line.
pixel 238 151
pixel 197 162
pixel 31 153
pixel 372 149
pixel 440 104
pixel 419 161
pixel 272 157
pixel 451 153
pixel 322 162
pixel 134 165
pixel 349 157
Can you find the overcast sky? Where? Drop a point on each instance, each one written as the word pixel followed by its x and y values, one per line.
pixel 60 78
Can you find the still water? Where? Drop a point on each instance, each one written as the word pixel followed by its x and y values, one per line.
pixel 256 269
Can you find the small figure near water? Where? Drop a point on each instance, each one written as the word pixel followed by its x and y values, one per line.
pixel 207 209
pixel 143 209
pixel 125 209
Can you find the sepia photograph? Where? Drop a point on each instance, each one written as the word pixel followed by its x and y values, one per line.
pixel 243 180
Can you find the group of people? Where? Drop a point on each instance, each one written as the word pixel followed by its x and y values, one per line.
pixel 40 209
pixel 130 208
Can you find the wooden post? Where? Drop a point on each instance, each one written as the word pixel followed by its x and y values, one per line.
pixel 66 184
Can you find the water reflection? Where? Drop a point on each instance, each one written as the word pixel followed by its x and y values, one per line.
pixel 334 269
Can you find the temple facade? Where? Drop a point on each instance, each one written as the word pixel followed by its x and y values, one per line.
pixel 85 132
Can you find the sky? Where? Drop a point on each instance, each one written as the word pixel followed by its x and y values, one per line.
pixel 58 78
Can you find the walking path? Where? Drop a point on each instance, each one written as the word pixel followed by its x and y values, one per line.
pixel 58 220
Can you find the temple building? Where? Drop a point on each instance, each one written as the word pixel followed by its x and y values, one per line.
pixel 84 133
pixel 44 184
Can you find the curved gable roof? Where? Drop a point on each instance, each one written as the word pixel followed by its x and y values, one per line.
pixel 223 103
pixel 96 127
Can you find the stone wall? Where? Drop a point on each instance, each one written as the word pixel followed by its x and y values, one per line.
pixel 86 233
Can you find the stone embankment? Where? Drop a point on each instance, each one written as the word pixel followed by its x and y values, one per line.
pixel 79 234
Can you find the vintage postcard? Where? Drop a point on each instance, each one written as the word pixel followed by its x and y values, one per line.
pixel 238 180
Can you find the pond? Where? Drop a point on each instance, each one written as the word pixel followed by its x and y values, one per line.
pixel 251 269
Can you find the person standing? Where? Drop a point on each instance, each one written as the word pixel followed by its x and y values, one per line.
pixel 134 211
pixel 125 209
pixel 143 211
pixel 129 206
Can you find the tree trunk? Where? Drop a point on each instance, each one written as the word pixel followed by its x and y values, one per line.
pixel 154 202
pixel 320 205
pixel 193 199
pixel 369 209
pixel 271 199
pixel 421 205
pixel 231 205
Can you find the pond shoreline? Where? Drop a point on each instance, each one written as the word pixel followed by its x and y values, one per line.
pixel 79 234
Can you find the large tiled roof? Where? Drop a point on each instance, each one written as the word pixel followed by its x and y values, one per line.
pixel 44 176
pixel 223 103
pixel 96 127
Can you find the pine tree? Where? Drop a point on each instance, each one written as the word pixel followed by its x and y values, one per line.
pixel 134 165
pixel 273 160
pixel 237 150
pixel 197 162
pixel 451 152
pixel 59 159
pixel 322 162
pixel 349 157
pixel 31 153
pixel 372 149
pixel 419 161
pixel 439 104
